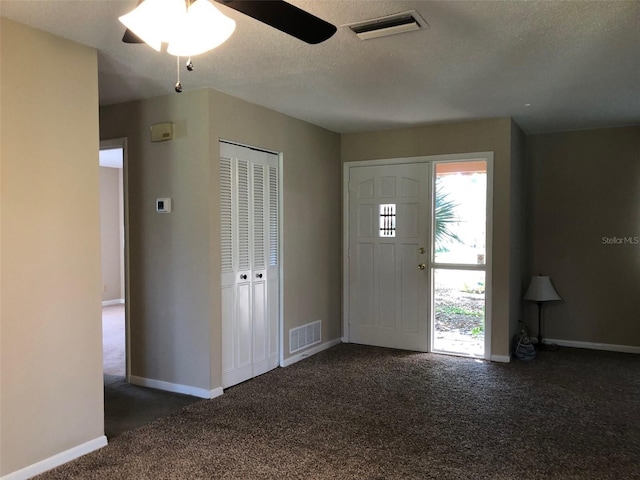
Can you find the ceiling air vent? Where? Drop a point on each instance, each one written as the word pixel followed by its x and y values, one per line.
pixel 389 25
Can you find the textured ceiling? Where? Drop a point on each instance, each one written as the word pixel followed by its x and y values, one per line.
pixel 551 65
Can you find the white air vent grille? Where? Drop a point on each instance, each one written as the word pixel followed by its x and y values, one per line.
pixel 305 336
pixel 389 25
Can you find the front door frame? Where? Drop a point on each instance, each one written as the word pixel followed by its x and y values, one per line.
pixel 488 156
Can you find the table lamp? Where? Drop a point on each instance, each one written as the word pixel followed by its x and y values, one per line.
pixel 541 290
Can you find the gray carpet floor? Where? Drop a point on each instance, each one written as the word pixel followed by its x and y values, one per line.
pixel 113 340
pixel 128 406
pixel 355 412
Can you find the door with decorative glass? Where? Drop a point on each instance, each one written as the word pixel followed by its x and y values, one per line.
pixel 249 230
pixel 418 266
pixel 388 255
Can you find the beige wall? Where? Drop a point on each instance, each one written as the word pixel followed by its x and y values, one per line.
pixel 478 136
pixel 170 281
pixel 110 234
pixel 520 261
pixel 175 271
pixel 50 347
pixel 586 186
pixel 311 223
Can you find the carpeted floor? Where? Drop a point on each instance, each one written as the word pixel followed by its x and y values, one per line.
pixel 128 406
pixel 355 412
pixel 113 340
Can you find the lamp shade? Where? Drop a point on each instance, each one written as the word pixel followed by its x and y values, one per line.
pixel 541 290
pixel 154 21
pixel 203 28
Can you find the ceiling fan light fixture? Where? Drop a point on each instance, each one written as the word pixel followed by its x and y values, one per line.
pixel 203 28
pixel 154 21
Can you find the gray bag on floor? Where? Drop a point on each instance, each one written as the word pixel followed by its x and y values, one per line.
pixel 523 350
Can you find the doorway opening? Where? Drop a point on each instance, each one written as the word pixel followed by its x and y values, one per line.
pixel 417 244
pixel 112 231
pixel 126 406
pixel 459 257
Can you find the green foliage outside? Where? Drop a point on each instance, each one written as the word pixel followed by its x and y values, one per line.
pixel 445 219
pixel 455 310
pixel 475 331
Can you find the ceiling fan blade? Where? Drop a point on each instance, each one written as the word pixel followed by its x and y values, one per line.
pixel 285 17
pixel 130 37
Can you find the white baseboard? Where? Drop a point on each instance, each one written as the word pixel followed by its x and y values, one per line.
pixel 175 387
pixel 312 351
pixel 117 301
pixel 57 460
pixel 594 346
pixel 501 358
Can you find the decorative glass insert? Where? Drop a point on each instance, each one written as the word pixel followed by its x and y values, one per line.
pixel 388 220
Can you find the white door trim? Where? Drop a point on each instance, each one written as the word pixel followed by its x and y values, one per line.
pixel 281 221
pixel 487 267
pixel 281 262
pixel 488 156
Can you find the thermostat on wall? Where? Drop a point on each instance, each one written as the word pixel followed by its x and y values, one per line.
pixel 163 205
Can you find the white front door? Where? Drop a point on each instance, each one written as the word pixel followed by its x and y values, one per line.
pixel 388 255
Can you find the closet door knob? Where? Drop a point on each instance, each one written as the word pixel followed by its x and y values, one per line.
pixel 243 277
pixel 258 275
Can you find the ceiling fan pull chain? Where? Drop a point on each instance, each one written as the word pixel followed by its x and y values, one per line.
pixel 190 64
pixel 178 84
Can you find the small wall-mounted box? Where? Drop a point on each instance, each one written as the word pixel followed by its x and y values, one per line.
pixel 161 132
pixel 163 205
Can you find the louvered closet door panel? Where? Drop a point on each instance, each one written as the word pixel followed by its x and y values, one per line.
pixel 249 230
pixel 226 261
pixel 273 259
pixel 257 188
pixel 243 217
pixel 226 215
pixel 260 318
pixel 237 365
pixel 244 304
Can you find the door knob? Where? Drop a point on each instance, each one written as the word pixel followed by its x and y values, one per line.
pixel 258 275
pixel 422 266
pixel 243 277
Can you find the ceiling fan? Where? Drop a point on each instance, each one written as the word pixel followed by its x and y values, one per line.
pixel 276 13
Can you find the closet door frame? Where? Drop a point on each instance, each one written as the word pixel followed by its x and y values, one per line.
pixel 274 357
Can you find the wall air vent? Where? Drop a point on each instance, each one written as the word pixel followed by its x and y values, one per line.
pixel 305 336
pixel 389 25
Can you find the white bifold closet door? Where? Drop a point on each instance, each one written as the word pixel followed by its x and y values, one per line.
pixel 250 262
